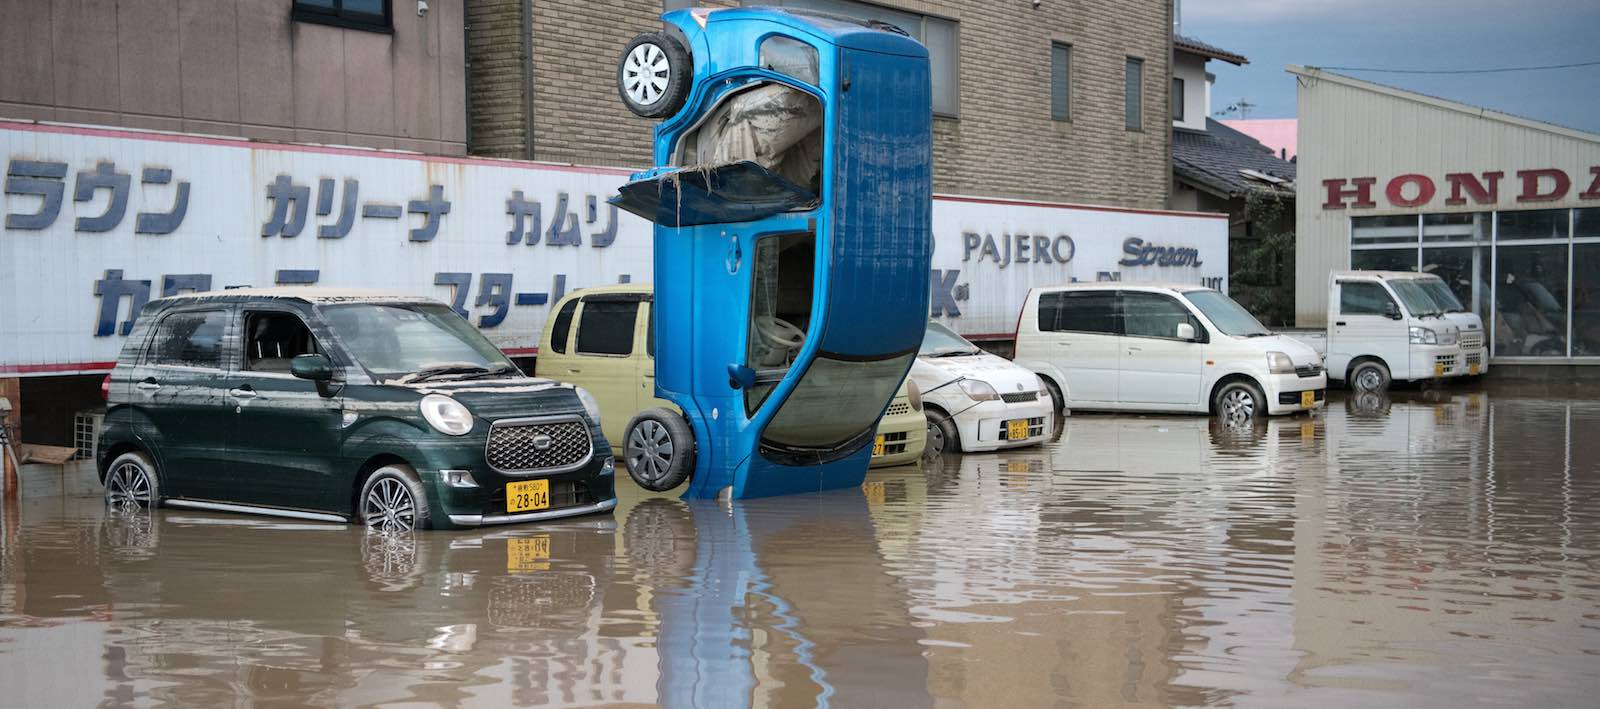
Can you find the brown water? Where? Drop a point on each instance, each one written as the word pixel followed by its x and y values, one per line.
pixel 1439 550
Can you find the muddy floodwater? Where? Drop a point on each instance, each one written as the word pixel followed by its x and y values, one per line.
pixel 1436 549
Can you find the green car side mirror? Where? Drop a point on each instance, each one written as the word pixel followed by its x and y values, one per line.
pixel 315 367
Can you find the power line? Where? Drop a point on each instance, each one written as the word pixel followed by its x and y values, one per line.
pixel 1499 70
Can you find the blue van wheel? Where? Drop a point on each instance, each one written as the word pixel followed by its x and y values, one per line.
pixel 654 74
pixel 658 446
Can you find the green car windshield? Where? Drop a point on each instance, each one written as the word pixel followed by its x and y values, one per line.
pixel 413 341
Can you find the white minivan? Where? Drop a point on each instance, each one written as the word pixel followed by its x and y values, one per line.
pixel 974 400
pixel 1159 347
pixel 1399 325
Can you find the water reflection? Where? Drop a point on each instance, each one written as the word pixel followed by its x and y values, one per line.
pixel 1434 549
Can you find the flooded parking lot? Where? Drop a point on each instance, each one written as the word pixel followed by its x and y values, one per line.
pixel 1434 549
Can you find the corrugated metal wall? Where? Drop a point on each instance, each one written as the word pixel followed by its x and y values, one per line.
pixel 1350 129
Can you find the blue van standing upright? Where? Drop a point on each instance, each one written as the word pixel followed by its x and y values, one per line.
pixel 792 203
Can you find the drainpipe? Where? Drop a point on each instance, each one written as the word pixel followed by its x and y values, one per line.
pixel 527 80
pixel 466 81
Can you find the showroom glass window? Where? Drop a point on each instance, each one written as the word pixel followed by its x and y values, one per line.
pixel 1586 282
pixel 1456 248
pixel 1384 243
pixel 1531 283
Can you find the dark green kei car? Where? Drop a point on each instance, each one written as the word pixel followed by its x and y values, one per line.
pixel 386 409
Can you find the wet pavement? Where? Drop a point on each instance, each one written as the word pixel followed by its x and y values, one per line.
pixel 1437 549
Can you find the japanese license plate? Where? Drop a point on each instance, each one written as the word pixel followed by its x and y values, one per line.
pixel 1016 429
pixel 877 446
pixel 1308 399
pixel 1438 369
pixel 1472 369
pixel 528 554
pixel 527 495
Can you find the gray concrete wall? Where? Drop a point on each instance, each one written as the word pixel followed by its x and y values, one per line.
pixel 237 67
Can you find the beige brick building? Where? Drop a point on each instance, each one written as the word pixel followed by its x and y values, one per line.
pixel 542 86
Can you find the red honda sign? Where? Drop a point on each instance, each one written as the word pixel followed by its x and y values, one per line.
pixel 1417 190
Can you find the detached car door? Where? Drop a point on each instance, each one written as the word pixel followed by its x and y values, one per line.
pixel 180 386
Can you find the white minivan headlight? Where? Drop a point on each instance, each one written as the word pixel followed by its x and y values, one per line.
pixel 1423 336
pixel 446 415
pixel 590 406
pixel 979 390
pixel 914 394
pixel 1279 363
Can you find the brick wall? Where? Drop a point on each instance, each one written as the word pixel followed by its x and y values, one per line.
pixel 1003 144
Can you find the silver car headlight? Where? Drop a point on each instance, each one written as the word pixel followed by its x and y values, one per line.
pixel 446 415
pixel 1279 363
pixel 1423 336
pixel 590 406
pixel 979 390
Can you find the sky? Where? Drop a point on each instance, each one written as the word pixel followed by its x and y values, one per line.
pixel 1409 34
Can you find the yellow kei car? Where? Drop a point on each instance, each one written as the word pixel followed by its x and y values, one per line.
pixel 603 339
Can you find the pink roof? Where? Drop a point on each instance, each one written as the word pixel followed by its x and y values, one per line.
pixel 1276 133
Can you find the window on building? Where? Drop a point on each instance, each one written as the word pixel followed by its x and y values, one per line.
pixel 1177 99
pixel 192 339
pixel 1060 81
pixel 606 326
pixel 1534 224
pixel 1586 298
pixel 563 326
pixel 374 15
pixel 939 35
pixel 1364 298
pixel 1133 94
pixel 1531 300
pixel 1455 247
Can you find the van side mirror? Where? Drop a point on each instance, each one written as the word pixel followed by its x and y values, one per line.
pixel 1185 331
pixel 315 367
pixel 1391 311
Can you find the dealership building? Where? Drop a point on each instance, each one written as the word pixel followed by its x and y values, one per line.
pixel 1505 209
pixel 465 149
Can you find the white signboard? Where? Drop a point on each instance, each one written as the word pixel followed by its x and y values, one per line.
pixel 988 253
pixel 96 222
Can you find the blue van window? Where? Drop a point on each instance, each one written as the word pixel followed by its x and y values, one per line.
pixel 780 307
pixel 790 57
